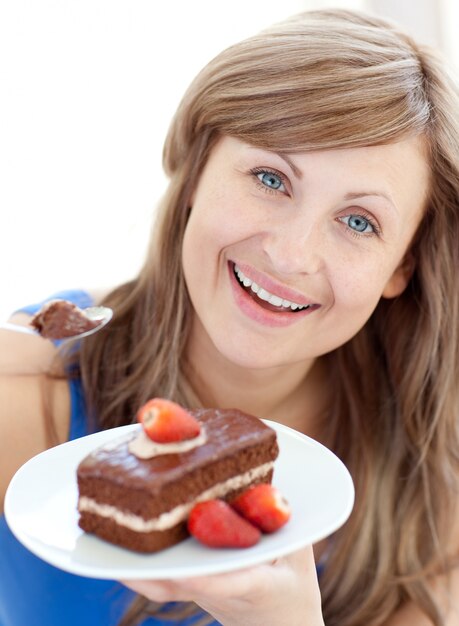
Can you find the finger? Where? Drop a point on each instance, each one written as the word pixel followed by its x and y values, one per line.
pixel 240 583
pixel 236 583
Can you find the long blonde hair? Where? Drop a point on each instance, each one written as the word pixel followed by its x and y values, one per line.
pixel 326 79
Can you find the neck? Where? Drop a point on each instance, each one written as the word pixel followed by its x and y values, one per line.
pixel 290 394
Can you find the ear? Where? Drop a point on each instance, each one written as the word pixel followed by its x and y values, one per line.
pixel 400 278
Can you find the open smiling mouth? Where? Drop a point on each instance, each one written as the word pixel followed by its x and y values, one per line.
pixel 266 299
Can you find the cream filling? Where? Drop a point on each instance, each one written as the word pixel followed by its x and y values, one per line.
pixel 179 513
pixel 145 448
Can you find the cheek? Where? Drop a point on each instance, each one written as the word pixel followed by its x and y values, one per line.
pixel 358 287
pixel 192 259
pixel 206 235
pixel 217 220
pixel 202 238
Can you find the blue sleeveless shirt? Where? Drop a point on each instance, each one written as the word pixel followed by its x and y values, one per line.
pixel 33 593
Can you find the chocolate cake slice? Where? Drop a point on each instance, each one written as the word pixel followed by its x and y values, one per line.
pixel 58 319
pixel 143 503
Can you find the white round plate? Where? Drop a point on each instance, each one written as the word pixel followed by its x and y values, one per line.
pixel 40 508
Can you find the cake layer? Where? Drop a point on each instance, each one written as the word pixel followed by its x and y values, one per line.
pixel 147 538
pixel 140 542
pixel 223 490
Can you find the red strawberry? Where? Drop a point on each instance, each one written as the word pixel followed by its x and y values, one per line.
pixel 165 421
pixel 263 506
pixel 215 524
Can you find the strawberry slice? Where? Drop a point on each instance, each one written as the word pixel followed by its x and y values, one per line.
pixel 264 506
pixel 165 421
pixel 215 524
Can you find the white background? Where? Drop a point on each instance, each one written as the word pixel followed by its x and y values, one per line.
pixel 87 90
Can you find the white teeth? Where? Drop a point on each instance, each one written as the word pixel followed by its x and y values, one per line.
pixel 275 300
pixel 265 295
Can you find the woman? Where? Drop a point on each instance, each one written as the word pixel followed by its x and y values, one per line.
pixel 303 268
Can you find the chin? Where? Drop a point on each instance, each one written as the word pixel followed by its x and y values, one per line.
pixel 253 358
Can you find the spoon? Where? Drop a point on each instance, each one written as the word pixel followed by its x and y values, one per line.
pixel 100 314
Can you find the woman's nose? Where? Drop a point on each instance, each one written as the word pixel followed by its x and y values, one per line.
pixel 296 245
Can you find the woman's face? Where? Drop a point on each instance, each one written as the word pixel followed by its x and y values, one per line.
pixel 286 256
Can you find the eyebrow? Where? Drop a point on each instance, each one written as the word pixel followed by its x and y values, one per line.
pixel 363 194
pixel 298 173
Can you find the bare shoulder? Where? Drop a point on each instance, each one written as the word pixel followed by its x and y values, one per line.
pixel 31 400
pixel 22 353
pixel 31 406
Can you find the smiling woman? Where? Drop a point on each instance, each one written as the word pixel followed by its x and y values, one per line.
pixel 308 242
pixel 303 268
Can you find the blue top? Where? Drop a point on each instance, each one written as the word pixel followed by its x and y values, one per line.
pixel 33 593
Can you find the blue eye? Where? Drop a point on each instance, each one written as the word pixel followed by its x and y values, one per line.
pixel 270 180
pixel 358 223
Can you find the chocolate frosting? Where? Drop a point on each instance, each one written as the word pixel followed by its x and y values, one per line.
pixel 228 431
